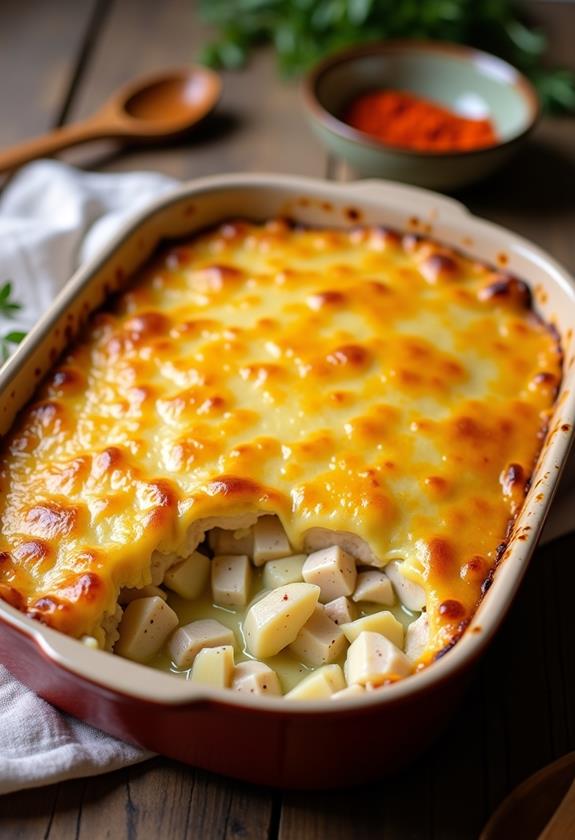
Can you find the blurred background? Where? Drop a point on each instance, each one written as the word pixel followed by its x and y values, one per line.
pixel 60 60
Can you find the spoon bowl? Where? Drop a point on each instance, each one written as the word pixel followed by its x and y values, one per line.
pixel 149 109
pixel 166 103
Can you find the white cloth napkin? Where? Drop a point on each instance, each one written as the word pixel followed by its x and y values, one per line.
pixel 52 218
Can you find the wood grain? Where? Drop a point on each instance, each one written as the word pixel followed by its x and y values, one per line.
pixel 40 47
pixel 259 124
pixel 160 799
pixel 562 824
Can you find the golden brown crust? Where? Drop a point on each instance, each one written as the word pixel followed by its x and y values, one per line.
pixel 372 384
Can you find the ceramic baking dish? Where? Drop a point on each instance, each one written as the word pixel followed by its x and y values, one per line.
pixel 264 740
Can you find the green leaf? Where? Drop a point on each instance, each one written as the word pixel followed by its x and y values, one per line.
pixel 302 31
pixel 8 307
pixel 358 11
pixel 530 41
pixel 5 291
pixel 556 89
pixel 210 56
pixel 15 337
pixel 232 55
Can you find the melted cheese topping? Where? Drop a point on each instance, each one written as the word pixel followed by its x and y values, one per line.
pixel 356 381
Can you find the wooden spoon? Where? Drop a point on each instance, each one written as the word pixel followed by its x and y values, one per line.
pixel 528 811
pixel 562 823
pixel 158 107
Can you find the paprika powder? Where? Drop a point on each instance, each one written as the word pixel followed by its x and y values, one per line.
pixel 402 119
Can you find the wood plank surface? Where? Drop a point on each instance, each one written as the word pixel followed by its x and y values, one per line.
pixel 160 799
pixel 257 125
pixel 518 712
pixel 40 47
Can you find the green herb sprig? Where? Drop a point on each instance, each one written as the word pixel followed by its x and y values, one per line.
pixel 303 31
pixel 8 308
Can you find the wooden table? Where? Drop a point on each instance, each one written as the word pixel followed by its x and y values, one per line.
pixel 58 61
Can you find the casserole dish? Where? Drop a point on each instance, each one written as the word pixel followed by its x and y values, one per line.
pixel 255 738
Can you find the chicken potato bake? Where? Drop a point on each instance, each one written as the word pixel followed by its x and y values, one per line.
pixel 284 460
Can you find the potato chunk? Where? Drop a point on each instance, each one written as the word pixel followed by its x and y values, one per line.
pixel 145 626
pixel 320 640
pixel 375 587
pixel 333 570
pixel 231 580
pixel 372 659
pixel 189 578
pixel 274 621
pixel 270 540
pixel 382 622
pixel 319 684
pixel 411 594
pixel 417 636
pixel 354 690
pixel 231 542
pixel 189 640
pixel 255 678
pixel 126 596
pixel 214 667
pixel 341 610
pixel 282 571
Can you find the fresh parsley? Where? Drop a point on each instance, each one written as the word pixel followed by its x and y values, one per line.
pixel 14 337
pixel 8 308
pixel 302 31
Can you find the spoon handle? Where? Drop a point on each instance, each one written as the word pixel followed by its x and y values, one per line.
pixel 47 144
pixel 562 823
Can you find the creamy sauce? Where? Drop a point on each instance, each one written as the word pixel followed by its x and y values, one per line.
pixel 287 667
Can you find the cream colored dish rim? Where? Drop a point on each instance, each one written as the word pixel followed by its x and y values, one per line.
pixel 132 680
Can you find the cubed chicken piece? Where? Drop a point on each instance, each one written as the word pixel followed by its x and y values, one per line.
pixel 411 594
pixel 190 577
pixel 341 610
pixel 417 636
pixel 375 587
pixel 128 595
pixel 285 570
pixel 270 540
pixel 372 659
pixel 145 626
pixel 255 678
pixel 382 622
pixel 333 570
pixel 231 580
pixel 318 685
pixel 214 667
pixel 231 542
pixel 189 640
pixel 274 621
pixel 349 691
pixel 320 640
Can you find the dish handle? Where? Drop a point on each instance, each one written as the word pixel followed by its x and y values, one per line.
pixel 407 197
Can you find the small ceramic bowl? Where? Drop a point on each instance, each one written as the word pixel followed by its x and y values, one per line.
pixel 465 80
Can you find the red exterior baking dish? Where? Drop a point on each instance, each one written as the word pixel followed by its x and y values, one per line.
pixel 266 740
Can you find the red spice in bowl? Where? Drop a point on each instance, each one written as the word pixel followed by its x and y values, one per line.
pixel 407 121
